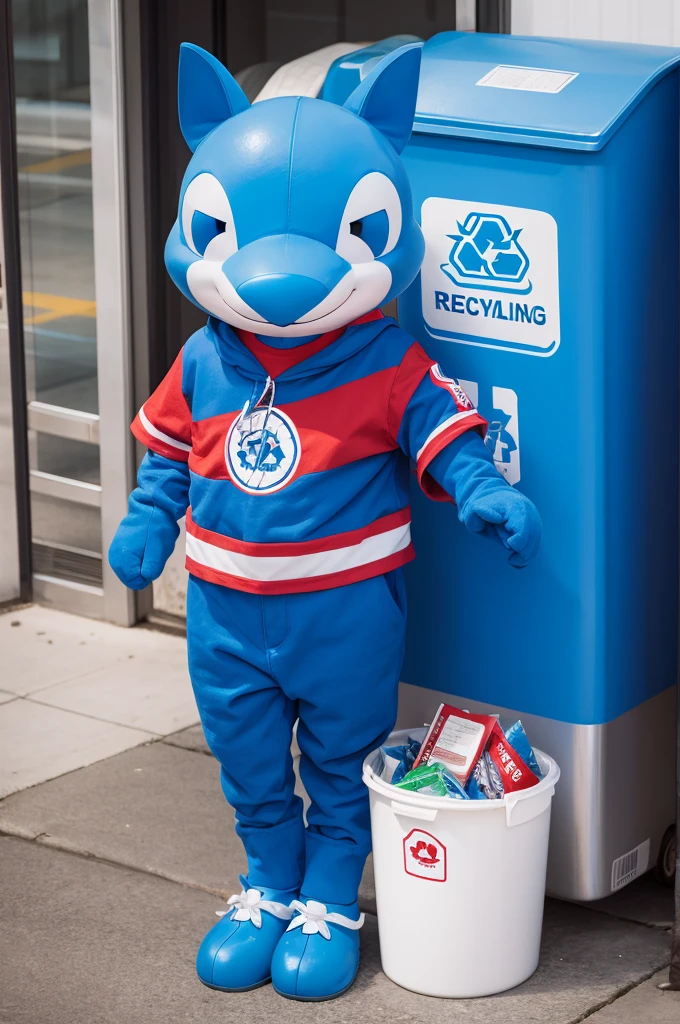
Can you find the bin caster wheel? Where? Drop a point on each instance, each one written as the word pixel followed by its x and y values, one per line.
pixel 664 871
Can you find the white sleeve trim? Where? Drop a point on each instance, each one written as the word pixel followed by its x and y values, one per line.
pixel 159 435
pixel 445 426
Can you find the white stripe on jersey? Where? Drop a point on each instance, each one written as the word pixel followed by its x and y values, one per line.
pixel 159 435
pixel 269 568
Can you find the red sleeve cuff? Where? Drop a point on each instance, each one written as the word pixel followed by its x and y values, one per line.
pixel 437 441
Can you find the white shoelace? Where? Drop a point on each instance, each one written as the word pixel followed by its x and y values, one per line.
pixel 248 906
pixel 312 918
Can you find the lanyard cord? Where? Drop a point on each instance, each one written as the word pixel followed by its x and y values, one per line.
pixel 249 409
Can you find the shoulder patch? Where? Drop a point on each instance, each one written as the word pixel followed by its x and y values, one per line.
pixel 460 397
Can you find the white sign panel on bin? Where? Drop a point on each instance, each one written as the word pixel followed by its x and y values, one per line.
pixel 490 276
pixel 424 856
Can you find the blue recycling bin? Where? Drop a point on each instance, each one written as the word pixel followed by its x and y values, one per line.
pixel 545 176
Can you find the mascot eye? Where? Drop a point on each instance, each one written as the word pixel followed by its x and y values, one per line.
pixel 374 230
pixel 206 219
pixel 204 229
pixel 371 223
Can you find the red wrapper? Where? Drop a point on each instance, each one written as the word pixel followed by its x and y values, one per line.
pixel 514 772
pixel 457 739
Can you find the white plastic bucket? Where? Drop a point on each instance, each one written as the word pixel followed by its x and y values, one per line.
pixel 461 915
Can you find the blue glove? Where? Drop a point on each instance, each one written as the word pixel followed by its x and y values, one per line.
pixel 146 537
pixel 487 504
pixel 508 515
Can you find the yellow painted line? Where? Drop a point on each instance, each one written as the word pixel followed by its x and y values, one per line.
pixel 56 306
pixel 60 163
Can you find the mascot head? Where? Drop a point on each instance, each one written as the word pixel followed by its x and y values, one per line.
pixel 295 215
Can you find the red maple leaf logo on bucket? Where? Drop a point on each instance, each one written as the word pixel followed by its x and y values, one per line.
pixel 424 852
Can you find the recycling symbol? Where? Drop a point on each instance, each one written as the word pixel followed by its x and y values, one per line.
pixel 486 252
pixel 260 449
pixel 262 456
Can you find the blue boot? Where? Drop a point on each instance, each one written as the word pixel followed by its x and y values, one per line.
pixel 236 953
pixel 317 957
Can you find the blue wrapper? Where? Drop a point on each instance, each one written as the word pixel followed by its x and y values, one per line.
pixel 473 788
pixel 518 740
pixel 454 786
pixel 405 755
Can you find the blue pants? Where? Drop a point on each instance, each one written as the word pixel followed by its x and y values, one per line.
pixel 330 659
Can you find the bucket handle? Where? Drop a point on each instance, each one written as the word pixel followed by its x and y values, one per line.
pixel 517 811
pixel 407 811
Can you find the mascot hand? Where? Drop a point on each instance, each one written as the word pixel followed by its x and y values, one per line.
pixel 510 517
pixel 142 545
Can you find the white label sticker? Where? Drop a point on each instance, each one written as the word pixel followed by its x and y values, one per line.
pixel 458 744
pixel 502 437
pixel 490 276
pixel 628 867
pixel 499 408
pixel 424 856
pixel 509 76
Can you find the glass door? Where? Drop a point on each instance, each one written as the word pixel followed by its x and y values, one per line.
pixel 69 154
pixel 54 159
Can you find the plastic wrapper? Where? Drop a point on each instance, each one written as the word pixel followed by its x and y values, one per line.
pixel 514 772
pixel 504 762
pixel 473 789
pixel 433 780
pixel 519 741
pixel 485 782
pixel 503 766
pixel 456 739
pixel 400 760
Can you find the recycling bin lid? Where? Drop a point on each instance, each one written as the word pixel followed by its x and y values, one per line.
pixel 564 93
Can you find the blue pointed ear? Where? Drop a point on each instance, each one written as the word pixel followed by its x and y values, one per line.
pixel 387 97
pixel 207 94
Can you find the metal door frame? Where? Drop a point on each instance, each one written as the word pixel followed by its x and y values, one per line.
pixel 114 335
pixel 13 457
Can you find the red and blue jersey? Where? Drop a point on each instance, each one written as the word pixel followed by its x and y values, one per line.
pixel 300 475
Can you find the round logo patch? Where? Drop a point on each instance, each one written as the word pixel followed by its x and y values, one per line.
pixel 262 451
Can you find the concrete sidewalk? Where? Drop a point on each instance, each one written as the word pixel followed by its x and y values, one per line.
pixel 73 691
pixel 112 868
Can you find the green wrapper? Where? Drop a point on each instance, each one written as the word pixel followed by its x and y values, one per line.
pixel 426 776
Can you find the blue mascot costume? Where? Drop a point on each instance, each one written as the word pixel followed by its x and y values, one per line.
pixel 284 431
